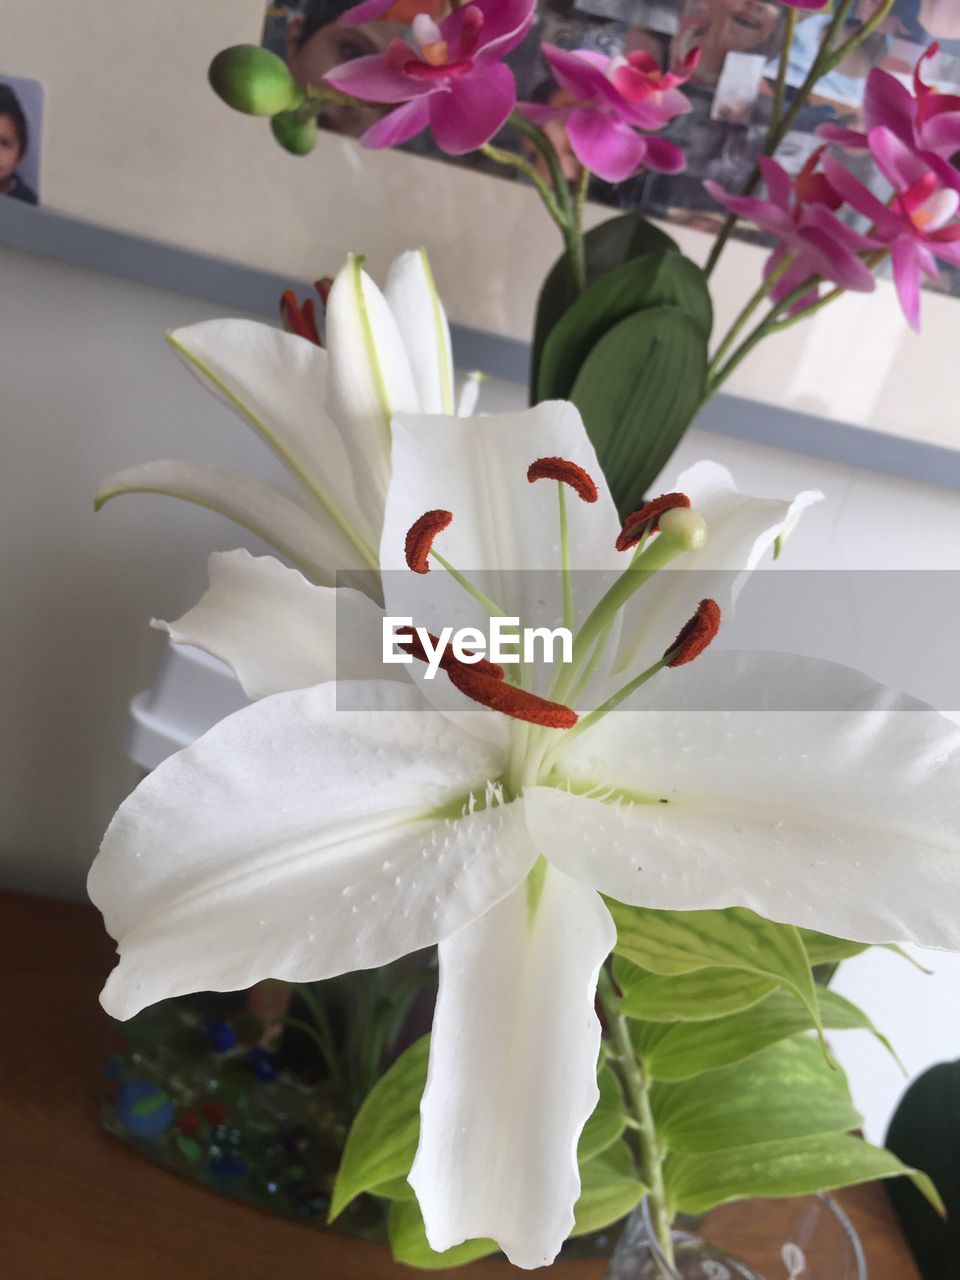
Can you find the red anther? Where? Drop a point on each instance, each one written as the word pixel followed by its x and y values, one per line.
pixel 323 287
pixel 635 524
pixel 696 634
pixel 411 643
pixel 567 471
pixel 300 318
pixel 420 538
pixel 510 700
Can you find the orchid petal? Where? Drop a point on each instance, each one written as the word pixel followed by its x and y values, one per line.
pixel 941 133
pixel 512 1075
pixel 296 529
pixel 852 139
pixel 582 74
pixel 377 78
pixel 857 195
pixel 887 103
pixel 298 840
pixel 370 378
pixel 906 277
pixel 845 819
pixel 764 213
pixel 603 145
pixel 474 108
pixel 836 263
pixel 740 530
pixel 412 297
pixel 398 126
pixel 779 183
pixel 278 631
pixel 898 163
pixel 663 156
pixel 505 25
pixel 276 382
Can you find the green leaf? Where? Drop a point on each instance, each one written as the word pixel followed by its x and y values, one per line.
pixel 383 1139
pixel 610 1189
pixel 788 1092
pixel 685 1049
pixel 823 949
pixel 607 1122
pixel 637 392
pixel 688 997
pixel 395 1189
pixel 675 942
pixel 658 278
pixel 606 247
pixel 697 1182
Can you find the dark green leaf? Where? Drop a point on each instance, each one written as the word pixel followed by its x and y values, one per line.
pixel 696 1182
pixel 788 1091
pixel 606 247
pixel 383 1139
pixel 637 392
pixel 688 997
pixel 660 278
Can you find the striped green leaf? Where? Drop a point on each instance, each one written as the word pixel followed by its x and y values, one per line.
pixel 824 949
pixel 607 1122
pixel 698 1181
pixel 688 997
pixel 788 1092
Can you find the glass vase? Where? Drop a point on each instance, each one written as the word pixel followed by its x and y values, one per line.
pixel 817 1242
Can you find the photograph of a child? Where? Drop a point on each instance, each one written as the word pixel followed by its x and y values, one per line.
pixel 21 118
pixel 730 94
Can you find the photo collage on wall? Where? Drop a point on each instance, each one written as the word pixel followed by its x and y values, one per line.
pixel 731 92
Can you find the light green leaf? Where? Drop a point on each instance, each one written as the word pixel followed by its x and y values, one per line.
pixel 787 1092
pixel 607 1122
pixel 610 1190
pixel 685 1048
pixel 638 391
pixel 697 1182
pixel 688 997
pixel 383 1139
pixel 395 1189
pixel 674 942
pixel 661 277
pixel 824 949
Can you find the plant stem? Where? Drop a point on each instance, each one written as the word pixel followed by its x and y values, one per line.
pixel 569 208
pixel 636 1089
pixel 511 160
pixel 750 306
pixel 790 27
pixel 766 326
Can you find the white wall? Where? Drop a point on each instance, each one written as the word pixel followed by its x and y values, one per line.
pixel 88 387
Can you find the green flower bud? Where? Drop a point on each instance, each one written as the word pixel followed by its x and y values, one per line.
pixel 297 136
pixel 254 80
pixel 686 526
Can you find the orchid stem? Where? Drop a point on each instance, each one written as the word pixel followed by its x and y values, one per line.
pixel 569 208
pixel 511 160
pixel 751 305
pixel 766 326
pixel 779 87
pixel 637 1092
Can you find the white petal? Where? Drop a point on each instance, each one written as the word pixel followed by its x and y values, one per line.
pixel 512 1077
pixel 277 384
pixel 844 819
pixel 370 378
pixel 469 393
pixel 740 530
pixel 278 631
pixel 505 530
pixel 296 529
pixel 412 295
pixel 299 841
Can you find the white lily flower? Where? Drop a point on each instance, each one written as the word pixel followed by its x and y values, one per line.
pixel 343 825
pixel 325 413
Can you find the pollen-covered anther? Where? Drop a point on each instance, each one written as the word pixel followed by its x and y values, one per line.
pixel 695 635
pixel 566 472
pixel 648 516
pixel 510 700
pixel 411 643
pixel 420 536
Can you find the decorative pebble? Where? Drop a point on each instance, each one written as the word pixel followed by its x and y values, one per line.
pixel 214 1111
pixel 144 1110
pixel 299 1139
pixel 264 1064
pixel 187 1122
pixel 221 1035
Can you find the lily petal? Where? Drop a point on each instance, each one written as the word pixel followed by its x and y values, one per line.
pixel 845 819
pixel 297 840
pixel 277 630
pixel 412 296
pixel 276 382
pixel 370 378
pixel 512 1076
pixel 296 529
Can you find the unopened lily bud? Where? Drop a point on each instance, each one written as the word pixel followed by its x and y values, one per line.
pixel 297 136
pixel 254 80
pixel 686 526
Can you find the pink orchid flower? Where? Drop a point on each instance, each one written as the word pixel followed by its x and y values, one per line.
pixel 920 223
pixel 800 213
pixel 450 79
pixel 611 99
pixel 926 121
pixel 392 10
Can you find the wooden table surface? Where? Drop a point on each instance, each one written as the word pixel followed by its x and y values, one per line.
pixel 76 1203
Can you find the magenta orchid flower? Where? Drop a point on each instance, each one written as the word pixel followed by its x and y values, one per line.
pixel 450 79
pixel 920 223
pixel 800 213
pixel 926 121
pixel 612 99
pixel 808 6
